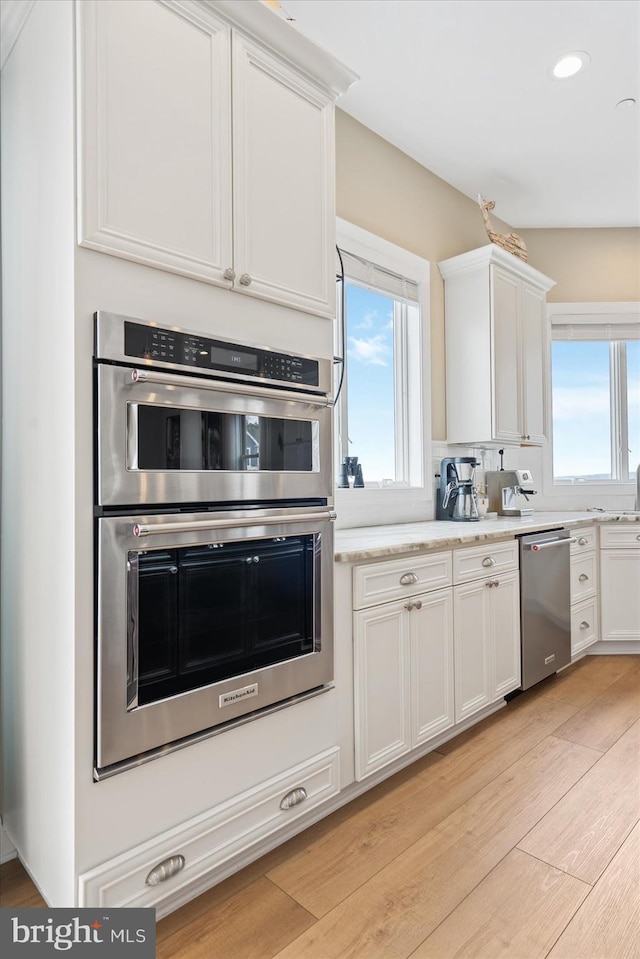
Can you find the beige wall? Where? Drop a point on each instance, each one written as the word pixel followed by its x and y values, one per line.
pixel 382 190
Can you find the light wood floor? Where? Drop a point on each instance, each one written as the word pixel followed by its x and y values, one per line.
pixel 518 839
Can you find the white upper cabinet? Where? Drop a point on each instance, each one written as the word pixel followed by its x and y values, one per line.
pixel 206 152
pixel 496 348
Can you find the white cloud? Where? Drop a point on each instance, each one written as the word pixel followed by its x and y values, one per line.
pixel 372 350
pixel 570 403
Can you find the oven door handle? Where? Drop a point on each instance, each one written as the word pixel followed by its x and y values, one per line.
pixel 195 382
pixel 150 529
pixel 132 631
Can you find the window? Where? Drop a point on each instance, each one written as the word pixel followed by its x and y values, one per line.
pixel 595 375
pixel 382 412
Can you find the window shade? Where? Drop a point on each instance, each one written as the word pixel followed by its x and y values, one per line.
pixel 375 277
pixel 594 327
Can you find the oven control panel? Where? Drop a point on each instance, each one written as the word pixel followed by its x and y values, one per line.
pixel 154 344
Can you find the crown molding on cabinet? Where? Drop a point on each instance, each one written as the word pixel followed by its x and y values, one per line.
pixel 491 253
pixel 266 27
pixel 13 16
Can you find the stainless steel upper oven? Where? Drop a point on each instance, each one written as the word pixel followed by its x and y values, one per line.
pixel 184 418
pixel 214 535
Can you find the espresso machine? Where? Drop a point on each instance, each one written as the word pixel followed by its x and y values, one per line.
pixel 505 489
pixel 456 497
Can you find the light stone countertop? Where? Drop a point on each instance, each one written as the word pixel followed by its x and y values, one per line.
pixel 379 542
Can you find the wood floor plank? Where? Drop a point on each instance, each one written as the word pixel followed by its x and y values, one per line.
pixel 254 924
pixel 519 909
pixel 373 836
pixel 17 889
pixel 392 913
pixel 583 682
pixel 607 925
pixel 601 723
pixel 583 832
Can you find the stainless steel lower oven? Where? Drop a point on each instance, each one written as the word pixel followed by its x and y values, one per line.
pixel 206 617
pixel 214 537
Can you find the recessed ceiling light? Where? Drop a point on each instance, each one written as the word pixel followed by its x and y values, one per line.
pixel 569 64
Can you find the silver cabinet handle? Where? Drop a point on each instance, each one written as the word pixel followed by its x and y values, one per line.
pixel 488 561
pixel 584 624
pixel 245 279
pixel 493 582
pixel 583 577
pixel 582 541
pixel 229 274
pixel 293 798
pixel 408 579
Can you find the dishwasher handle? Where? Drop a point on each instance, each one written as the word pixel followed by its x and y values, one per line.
pixel 535 547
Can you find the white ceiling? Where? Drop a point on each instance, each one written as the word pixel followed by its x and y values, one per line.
pixel 463 87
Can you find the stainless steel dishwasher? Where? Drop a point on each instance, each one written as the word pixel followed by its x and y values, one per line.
pixel 545 604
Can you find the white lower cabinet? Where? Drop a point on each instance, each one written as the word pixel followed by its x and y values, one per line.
pixel 620 582
pixel 486 616
pixel 403 658
pixel 172 868
pixel 584 590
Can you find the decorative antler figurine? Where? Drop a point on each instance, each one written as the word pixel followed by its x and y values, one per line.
pixel 512 243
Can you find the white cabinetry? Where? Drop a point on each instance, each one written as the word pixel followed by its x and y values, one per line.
pixel 496 348
pixel 403 658
pixel 205 153
pixel 619 578
pixel 584 590
pixel 486 613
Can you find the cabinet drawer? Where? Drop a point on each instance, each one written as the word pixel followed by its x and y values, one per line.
pixel 211 839
pixel 584 625
pixel 479 561
pixel 624 536
pixel 383 582
pixel 584 576
pixel 585 537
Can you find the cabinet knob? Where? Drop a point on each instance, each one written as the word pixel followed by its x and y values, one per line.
pixel 638 537
pixel 245 279
pixel 229 274
pixel 408 579
pixel 582 541
pixel 408 606
pixel 488 561
pixel 583 577
pixel 417 604
pixel 584 624
pixel 492 582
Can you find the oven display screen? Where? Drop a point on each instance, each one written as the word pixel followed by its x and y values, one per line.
pixel 233 358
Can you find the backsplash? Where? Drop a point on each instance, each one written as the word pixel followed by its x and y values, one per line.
pixel 531 458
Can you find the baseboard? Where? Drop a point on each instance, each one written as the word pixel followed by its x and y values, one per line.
pixel 612 647
pixel 7 850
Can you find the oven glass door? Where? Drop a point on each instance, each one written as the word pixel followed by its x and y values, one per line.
pixel 206 617
pixel 209 613
pixel 180 439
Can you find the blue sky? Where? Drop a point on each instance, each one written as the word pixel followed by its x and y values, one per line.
pixel 370 381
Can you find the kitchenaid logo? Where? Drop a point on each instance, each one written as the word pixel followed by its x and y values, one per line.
pixel 227 699
pixel 30 932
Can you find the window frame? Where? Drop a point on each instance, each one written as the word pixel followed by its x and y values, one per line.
pixel 401 501
pixel 587 315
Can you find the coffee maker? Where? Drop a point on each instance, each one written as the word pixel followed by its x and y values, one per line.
pixel 456 496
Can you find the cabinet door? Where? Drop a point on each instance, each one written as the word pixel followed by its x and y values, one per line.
pixel 382 687
pixel 535 362
pixel 432 695
pixel 505 297
pixel 472 648
pixel 619 594
pixel 505 633
pixel 283 186
pixel 155 135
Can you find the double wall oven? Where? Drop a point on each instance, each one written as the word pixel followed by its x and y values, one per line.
pixel 214 538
